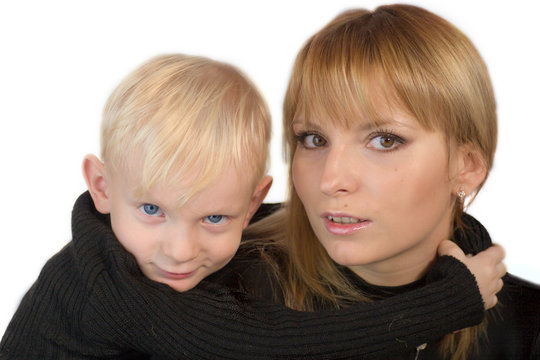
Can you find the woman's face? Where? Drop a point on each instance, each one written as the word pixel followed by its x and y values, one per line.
pixel 379 199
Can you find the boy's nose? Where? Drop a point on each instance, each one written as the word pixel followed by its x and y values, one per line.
pixel 181 246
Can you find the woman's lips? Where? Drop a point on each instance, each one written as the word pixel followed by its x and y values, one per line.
pixel 342 224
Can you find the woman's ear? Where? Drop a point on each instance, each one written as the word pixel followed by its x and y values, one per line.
pixel 471 169
pixel 94 175
pixel 258 196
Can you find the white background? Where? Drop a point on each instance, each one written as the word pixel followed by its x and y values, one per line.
pixel 59 60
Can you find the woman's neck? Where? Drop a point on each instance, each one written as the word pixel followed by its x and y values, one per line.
pixel 403 268
pixel 394 276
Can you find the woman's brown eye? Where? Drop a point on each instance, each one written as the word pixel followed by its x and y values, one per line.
pixel 387 141
pixel 312 141
pixel 318 141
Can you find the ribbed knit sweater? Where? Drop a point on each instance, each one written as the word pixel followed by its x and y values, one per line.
pixel 91 301
pixel 511 331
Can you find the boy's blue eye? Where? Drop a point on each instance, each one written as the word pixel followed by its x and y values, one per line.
pixel 150 209
pixel 215 219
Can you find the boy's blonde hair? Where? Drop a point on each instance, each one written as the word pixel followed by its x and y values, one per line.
pixel 179 116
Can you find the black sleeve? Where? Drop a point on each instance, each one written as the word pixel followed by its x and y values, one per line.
pixel 214 322
pixel 123 317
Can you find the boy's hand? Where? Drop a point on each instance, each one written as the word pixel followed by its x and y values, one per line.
pixel 486 266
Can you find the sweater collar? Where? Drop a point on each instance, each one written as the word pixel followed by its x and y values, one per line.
pixel 473 236
pixel 94 242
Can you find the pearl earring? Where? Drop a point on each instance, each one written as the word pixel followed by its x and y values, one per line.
pixel 461 195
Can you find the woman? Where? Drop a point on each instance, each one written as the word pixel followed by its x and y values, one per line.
pixel 390 124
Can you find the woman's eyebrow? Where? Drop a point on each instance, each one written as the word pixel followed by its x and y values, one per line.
pixel 309 124
pixel 361 126
pixel 390 122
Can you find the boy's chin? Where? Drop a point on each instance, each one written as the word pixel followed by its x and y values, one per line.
pixel 181 285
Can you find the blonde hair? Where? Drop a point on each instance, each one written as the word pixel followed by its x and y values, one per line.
pixel 417 60
pixel 176 114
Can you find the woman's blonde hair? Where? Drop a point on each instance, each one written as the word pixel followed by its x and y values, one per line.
pixel 419 61
pixel 179 115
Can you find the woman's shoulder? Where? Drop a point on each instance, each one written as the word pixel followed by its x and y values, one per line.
pixel 514 324
pixel 522 295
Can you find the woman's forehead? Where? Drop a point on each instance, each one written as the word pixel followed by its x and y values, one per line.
pixel 378 110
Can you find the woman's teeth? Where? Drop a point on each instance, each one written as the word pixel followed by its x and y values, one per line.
pixel 344 220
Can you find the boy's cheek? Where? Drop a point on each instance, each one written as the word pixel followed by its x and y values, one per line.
pixel 134 239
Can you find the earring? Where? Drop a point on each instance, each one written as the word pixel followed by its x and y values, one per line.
pixel 461 195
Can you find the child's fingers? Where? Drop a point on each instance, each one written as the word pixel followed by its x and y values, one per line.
pixel 496 253
pixel 492 299
pixel 490 302
pixel 500 268
pixel 500 285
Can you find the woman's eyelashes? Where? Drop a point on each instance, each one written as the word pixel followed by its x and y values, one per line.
pixel 380 140
pixel 385 141
pixel 310 140
pixel 215 219
pixel 150 210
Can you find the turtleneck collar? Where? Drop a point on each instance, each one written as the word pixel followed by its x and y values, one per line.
pixel 94 242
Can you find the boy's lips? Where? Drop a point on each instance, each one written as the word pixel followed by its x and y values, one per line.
pixel 343 224
pixel 174 275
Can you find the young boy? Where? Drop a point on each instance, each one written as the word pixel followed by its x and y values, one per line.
pixel 184 144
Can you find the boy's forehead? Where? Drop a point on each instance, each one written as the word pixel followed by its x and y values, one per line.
pixel 185 189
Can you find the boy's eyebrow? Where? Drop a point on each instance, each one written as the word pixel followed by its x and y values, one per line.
pixel 143 197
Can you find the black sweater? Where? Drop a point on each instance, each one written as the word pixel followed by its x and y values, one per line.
pixel 91 301
pixel 513 326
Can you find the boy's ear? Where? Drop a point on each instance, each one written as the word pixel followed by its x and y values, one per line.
pixel 94 175
pixel 258 196
pixel 471 169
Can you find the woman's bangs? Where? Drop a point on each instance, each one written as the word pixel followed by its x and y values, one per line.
pixel 336 100
pixel 332 90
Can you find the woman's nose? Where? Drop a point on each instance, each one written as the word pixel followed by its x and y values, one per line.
pixel 339 174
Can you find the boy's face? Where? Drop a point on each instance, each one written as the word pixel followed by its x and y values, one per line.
pixel 180 246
